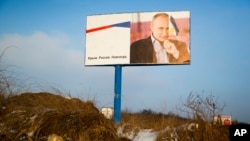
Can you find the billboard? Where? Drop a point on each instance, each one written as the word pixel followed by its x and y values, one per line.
pixel 143 38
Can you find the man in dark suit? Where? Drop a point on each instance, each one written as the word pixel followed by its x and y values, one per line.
pixel 158 48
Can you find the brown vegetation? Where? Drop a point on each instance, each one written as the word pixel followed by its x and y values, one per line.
pixel 172 127
pixel 45 116
pixel 198 127
pixel 36 116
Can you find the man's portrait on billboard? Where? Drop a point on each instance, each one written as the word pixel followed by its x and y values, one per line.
pixel 160 38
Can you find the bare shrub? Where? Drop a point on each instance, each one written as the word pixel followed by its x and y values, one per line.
pixel 9 83
pixel 201 109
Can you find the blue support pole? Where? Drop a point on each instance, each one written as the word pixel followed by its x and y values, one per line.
pixel 117 98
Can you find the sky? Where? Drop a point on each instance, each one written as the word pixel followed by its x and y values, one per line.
pixel 46 40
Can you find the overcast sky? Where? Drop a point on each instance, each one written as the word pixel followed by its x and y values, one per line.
pixel 48 39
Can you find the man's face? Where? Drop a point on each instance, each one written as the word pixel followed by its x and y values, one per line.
pixel 159 28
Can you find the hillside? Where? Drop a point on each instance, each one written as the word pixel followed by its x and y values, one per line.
pixel 36 116
pixel 44 116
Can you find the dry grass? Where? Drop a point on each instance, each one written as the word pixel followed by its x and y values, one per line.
pixel 174 127
pixel 42 116
pixel 155 121
pixel 36 116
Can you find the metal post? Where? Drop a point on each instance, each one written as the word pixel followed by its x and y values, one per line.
pixel 117 98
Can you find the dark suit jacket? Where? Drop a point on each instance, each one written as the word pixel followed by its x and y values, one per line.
pixel 142 51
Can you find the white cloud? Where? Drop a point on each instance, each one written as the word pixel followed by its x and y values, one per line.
pixel 52 59
pixel 40 51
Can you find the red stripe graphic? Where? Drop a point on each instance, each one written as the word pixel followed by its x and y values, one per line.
pixel 98 28
pixel 123 24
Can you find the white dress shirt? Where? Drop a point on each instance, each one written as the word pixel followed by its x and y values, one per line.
pixel 161 55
